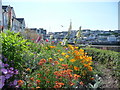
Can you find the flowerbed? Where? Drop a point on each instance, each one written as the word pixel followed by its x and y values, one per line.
pixel 110 59
pixel 36 65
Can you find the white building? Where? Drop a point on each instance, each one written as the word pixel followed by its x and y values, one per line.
pixel 111 38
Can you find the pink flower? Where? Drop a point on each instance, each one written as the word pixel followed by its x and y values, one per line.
pixel 46 40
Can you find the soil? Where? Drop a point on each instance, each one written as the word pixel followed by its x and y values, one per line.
pixel 108 80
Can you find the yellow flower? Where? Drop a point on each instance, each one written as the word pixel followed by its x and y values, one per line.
pixel 46 47
pixel 67 56
pixel 72 60
pixel 61 59
pixel 63 53
pixel 76 47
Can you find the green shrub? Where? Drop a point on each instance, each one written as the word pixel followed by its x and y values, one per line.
pixel 14 48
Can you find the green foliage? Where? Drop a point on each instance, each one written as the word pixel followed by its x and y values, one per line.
pixel 110 59
pixel 14 47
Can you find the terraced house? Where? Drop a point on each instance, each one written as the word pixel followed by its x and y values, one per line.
pixel 10 21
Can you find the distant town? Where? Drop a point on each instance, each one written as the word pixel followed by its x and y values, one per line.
pixel 9 21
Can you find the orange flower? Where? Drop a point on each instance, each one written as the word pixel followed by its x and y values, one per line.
pixel 57 86
pixel 81 83
pixel 58 50
pixel 32 78
pixel 86 65
pixel 76 68
pixel 76 76
pixel 89 68
pixel 39 74
pixel 56 62
pixel 91 78
pixel 64 65
pixel 72 60
pixel 37 87
pixel 20 82
pixel 38 81
pixel 42 61
pixel 81 50
pixel 28 69
pixel 52 46
pixel 77 57
pixel 71 84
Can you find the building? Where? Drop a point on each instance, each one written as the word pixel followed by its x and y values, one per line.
pixel 7 16
pixel 9 20
pixel 0 14
pixel 21 24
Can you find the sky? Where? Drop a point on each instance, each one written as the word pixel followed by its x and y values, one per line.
pixel 55 15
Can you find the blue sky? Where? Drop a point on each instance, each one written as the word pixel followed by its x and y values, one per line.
pixel 51 15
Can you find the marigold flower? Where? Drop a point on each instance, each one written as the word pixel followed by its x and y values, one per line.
pixel 64 65
pixel 52 46
pixel 89 68
pixel 67 56
pixel 81 83
pixel 76 76
pixel 72 60
pixel 71 84
pixel 32 78
pixel 68 51
pixel 76 68
pixel 63 53
pixel 50 60
pixel 37 87
pixel 47 81
pixel 81 50
pixel 38 81
pixel 61 59
pixel 92 78
pixel 28 69
pixel 20 82
pixel 57 86
pixel 56 62
pixel 76 47
pixel 85 65
pixel 58 50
